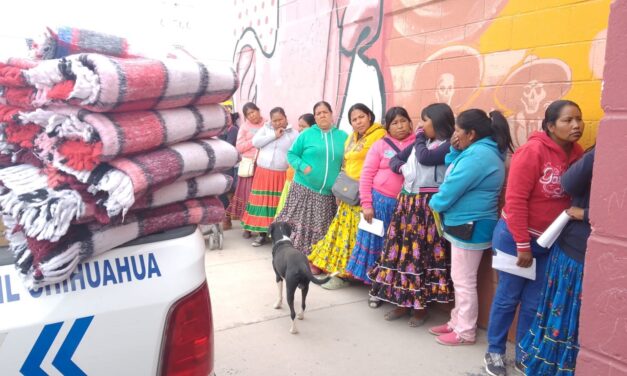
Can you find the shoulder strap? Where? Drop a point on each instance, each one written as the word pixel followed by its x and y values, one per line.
pixel 392 145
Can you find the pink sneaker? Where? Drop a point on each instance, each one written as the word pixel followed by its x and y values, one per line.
pixel 440 329
pixel 452 339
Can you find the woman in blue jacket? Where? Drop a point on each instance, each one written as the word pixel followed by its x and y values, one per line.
pixel 468 204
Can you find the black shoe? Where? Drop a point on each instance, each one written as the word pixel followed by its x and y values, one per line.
pixel 259 241
pixel 494 364
pixel 246 234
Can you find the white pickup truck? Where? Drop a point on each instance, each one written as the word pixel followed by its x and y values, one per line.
pixel 140 309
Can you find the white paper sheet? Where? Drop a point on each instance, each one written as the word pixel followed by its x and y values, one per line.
pixel 376 227
pixel 551 234
pixel 507 263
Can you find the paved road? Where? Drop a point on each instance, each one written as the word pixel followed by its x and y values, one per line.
pixel 340 334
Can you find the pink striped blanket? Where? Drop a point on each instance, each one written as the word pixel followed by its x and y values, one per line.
pixel 124 179
pixel 41 263
pixel 64 41
pixel 46 202
pixel 106 84
pixel 82 139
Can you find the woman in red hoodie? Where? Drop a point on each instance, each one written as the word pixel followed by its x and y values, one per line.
pixel 534 198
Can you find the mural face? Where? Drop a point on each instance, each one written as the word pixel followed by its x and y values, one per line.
pixel 491 54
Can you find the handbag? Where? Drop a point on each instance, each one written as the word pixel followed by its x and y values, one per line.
pixel 246 167
pixel 346 189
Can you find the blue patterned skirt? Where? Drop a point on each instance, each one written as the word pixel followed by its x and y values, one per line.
pixel 368 246
pixel 551 345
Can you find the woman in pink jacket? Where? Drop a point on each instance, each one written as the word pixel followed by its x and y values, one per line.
pixel 413 270
pixel 378 188
pixel 244 145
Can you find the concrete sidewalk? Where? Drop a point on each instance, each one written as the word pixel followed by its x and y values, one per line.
pixel 340 334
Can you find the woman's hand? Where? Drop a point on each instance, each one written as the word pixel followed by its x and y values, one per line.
pixel 368 214
pixel 575 213
pixel 525 259
pixel 455 141
pixel 279 132
pixel 307 170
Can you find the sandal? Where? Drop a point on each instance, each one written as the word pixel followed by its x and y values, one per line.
pixel 415 322
pixel 374 302
pixel 246 234
pixel 396 313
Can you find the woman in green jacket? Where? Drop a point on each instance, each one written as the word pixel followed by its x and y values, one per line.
pixel 316 156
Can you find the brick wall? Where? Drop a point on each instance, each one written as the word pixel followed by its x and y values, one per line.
pixel 603 321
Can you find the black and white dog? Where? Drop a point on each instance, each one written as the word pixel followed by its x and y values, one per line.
pixel 290 264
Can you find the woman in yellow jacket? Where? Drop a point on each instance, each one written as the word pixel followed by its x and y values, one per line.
pixel 332 253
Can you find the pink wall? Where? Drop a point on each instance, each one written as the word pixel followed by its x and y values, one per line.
pixel 603 334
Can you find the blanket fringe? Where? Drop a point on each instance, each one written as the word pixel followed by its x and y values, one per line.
pixel 87 85
pixel 45 214
pixel 119 188
pixel 61 125
pixel 45 74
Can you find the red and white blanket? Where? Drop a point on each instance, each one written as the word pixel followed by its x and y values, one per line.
pixel 41 263
pixel 106 84
pixel 45 202
pixel 124 179
pixel 82 140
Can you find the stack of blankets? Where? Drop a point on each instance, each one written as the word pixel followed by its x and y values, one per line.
pixel 97 150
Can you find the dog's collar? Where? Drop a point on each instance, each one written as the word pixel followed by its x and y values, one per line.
pixel 284 239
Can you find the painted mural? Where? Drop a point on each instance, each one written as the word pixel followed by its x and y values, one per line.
pixel 515 56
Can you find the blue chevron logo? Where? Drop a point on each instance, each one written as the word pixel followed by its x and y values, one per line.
pixel 63 360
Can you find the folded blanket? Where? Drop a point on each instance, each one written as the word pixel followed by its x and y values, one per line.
pixel 106 84
pixel 213 184
pixel 45 202
pixel 85 139
pixel 127 178
pixel 41 263
pixel 65 41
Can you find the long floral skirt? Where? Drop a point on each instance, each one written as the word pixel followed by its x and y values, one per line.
pixel 414 268
pixel 551 345
pixel 309 213
pixel 237 208
pixel 368 246
pixel 331 254
pixel 263 200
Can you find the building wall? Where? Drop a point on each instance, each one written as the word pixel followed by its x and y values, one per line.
pixel 512 55
pixel 603 321
pixel 516 56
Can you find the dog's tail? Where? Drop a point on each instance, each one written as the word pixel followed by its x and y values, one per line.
pixel 316 280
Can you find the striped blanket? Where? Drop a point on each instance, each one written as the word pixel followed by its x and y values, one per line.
pixel 41 263
pixel 82 139
pixel 46 202
pixel 124 179
pixel 65 41
pixel 106 84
